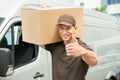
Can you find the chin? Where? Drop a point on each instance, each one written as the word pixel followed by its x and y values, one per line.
pixel 65 39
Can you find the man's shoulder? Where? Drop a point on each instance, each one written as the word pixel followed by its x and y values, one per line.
pixel 80 41
pixel 56 43
pixel 83 44
pixel 53 45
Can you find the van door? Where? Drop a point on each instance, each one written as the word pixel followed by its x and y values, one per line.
pixel 31 62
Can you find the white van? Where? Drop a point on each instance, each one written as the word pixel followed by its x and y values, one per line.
pixel 24 61
pixel 102 33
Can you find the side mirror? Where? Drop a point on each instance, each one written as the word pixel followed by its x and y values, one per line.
pixel 6 62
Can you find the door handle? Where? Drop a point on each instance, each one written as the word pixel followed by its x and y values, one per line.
pixel 38 75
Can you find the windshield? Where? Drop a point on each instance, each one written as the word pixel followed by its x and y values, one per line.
pixel 1 20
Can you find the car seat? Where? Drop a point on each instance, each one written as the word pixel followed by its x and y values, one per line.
pixel 23 52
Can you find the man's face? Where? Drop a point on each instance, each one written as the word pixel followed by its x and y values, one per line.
pixel 66 32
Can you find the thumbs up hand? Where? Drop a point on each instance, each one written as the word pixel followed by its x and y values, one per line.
pixel 73 48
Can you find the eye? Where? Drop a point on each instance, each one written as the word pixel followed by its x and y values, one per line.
pixel 68 27
pixel 61 27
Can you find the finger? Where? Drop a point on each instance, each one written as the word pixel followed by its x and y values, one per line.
pixel 69 54
pixel 69 51
pixel 71 44
pixel 69 47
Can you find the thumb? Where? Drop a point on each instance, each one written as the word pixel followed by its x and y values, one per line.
pixel 73 39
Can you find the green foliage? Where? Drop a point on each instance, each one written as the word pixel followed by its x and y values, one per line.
pixel 101 9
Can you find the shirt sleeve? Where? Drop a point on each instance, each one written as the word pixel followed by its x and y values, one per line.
pixel 48 47
pixel 84 45
pixel 51 47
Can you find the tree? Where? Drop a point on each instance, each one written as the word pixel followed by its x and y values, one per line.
pixel 100 9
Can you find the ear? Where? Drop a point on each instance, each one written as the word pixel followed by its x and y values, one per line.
pixel 75 27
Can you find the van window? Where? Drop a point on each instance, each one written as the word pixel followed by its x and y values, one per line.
pixel 23 52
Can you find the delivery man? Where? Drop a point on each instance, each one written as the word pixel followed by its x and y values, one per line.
pixel 71 57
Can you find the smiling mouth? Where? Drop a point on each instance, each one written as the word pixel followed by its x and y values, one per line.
pixel 65 36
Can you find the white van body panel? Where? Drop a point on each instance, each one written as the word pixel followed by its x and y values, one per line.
pixel 101 32
pixel 108 58
pixel 28 71
pixel 42 64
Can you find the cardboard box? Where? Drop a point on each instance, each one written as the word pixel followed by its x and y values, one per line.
pixel 39 25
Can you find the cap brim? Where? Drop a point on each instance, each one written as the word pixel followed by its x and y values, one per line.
pixel 65 23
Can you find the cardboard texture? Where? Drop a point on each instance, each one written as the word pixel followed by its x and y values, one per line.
pixel 39 25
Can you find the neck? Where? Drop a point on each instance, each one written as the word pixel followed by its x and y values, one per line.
pixel 66 42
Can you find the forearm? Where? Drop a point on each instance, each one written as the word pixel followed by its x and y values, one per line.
pixel 89 57
pixel 76 50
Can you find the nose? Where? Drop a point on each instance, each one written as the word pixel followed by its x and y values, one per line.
pixel 64 31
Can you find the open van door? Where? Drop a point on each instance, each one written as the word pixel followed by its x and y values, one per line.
pixel 30 61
